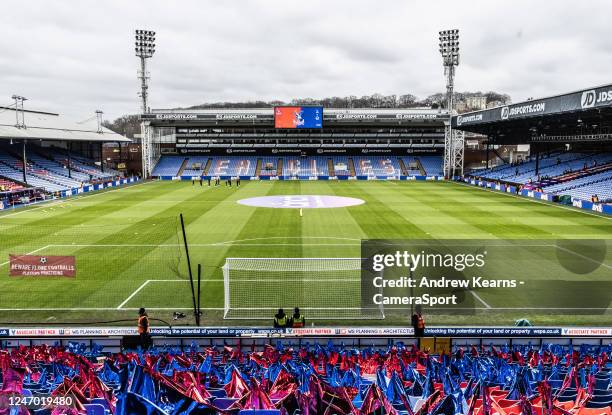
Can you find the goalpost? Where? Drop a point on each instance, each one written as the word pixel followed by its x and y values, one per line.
pixel 323 288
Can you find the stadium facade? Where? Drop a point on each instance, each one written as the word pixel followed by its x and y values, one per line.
pixel 252 132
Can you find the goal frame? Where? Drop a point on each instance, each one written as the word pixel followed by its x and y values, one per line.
pixel 227 291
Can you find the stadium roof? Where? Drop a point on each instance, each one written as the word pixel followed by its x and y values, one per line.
pixel 41 125
pixel 584 115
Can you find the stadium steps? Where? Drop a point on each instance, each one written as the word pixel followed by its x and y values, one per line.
pixel 403 167
pixel 279 167
pixel 330 167
pixel 258 168
pixel 207 167
pixel 351 166
pixel 183 167
pixel 421 168
pixel 499 155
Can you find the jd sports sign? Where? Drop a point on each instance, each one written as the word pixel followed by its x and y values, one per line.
pixel 592 98
pixel 566 103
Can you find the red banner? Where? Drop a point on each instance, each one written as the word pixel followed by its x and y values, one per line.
pixel 42 266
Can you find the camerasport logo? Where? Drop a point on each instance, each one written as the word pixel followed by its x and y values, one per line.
pixel 591 98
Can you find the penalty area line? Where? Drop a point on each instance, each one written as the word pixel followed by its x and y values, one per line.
pixel 29 253
pixel 480 299
pixel 144 284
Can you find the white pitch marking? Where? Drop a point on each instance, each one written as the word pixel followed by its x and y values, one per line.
pixel 29 253
pixel 583 257
pixel 537 201
pixel 480 299
pixel 144 284
pixel 76 197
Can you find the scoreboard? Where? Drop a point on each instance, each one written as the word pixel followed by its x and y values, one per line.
pixel 298 117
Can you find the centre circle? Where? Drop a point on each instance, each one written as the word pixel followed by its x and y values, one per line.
pixel 301 201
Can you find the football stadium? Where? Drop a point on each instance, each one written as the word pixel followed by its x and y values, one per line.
pixel 450 255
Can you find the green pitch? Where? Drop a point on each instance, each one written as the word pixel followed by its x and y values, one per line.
pixel 128 245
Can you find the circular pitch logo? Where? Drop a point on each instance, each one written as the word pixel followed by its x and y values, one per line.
pixel 301 201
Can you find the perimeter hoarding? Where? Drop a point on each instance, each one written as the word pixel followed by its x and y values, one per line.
pixel 298 117
pixel 42 266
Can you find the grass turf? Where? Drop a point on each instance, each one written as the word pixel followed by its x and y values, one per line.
pixel 128 245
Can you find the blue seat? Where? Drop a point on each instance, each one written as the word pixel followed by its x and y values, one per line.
pixel 599 404
pixel 94 409
pixel 101 401
pixel 223 403
pixel 218 393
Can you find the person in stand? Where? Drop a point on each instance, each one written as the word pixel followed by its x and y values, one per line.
pixel 418 323
pixel 297 320
pixel 144 330
pixel 280 319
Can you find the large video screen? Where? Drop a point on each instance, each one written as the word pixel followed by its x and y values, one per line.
pixel 298 117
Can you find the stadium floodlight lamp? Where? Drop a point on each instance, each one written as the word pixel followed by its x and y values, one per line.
pixel 449 46
pixel 145 43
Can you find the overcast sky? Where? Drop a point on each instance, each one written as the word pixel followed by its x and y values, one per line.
pixel 77 56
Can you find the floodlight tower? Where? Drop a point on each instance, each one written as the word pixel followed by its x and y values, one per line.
pixel 453 141
pixel 19 109
pixel 145 48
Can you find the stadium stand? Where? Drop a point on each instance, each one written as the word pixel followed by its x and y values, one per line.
pixel 269 166
pixel 305 167
pixel 319 379
pixel 585 188
pixel 580 175
pixel 9 185
pixel 381 166
pixel 79 164
pixel 168 166
pixel 553 165
pixel 233 166
pixel 341 166
pixel 10 168
pixel 412 166
pixel 43 170
pixel 432 165
pixel 195 166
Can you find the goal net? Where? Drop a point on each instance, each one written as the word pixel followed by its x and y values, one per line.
pixel 324 288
